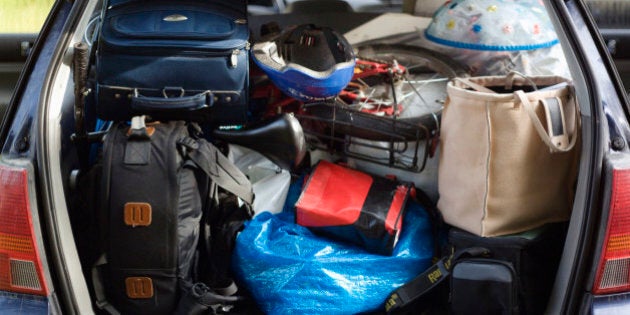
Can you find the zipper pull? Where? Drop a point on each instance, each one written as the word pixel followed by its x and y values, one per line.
pixel 234 58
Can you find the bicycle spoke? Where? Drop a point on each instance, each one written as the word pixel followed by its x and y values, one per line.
pixel 427 81
pixel 395 83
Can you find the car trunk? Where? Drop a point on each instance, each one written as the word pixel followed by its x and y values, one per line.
pixel 76 190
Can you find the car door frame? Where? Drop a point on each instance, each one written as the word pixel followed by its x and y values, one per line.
pixel 605 132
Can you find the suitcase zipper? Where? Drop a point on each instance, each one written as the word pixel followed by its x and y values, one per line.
pixel 234 58
pixel 232 54
pixel 235 53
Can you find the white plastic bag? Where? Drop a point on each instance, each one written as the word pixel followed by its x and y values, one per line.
pixel 495 37
pixel 270 182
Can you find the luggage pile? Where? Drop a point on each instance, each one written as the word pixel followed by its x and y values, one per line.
pixel 171 202
pixel 300 174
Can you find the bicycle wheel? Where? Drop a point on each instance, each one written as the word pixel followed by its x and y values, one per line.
pixel 415 85
pixel 392 104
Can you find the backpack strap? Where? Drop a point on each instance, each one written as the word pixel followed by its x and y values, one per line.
pixel 98 266
pixel 218 167
pixel 99 288
pixel 138 146
pixel 199 298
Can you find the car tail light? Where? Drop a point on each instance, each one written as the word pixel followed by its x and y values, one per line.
pixel 20 265
pixel 613 272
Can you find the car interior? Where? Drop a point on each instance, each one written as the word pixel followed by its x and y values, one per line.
pixel 612 20
pixel 14 49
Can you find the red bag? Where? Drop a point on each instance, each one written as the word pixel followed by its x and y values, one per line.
pixel 353 206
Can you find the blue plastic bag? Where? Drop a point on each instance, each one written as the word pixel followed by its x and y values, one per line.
pixel 290 270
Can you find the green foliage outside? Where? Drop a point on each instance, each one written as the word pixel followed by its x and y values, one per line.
pixel 23 16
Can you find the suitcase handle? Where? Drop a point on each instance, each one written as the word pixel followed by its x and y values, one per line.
pixel 141 103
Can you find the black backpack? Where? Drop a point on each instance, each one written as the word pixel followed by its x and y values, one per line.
pixel 171 205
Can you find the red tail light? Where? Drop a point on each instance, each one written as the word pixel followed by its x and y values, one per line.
pixel 613 273
pixel 20 265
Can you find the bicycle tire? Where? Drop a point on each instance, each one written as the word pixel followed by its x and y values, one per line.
pixel 428 62
pixel 439 61
pixel 335 124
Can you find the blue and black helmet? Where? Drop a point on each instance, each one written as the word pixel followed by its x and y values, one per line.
pixel 307 62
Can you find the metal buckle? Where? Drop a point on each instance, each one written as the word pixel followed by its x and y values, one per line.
pixel 165 91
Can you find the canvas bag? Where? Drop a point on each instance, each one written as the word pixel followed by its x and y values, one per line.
pixel 508 158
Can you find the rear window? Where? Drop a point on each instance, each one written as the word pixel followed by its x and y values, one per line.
pixel 23 16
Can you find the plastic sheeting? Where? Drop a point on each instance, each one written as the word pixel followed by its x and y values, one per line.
pixel 486 36
pixel 290 270
pixel 493 25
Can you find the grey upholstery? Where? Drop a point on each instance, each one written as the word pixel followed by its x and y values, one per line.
pixel 311 6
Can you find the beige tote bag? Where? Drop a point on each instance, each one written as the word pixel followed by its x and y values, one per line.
pixel 508 159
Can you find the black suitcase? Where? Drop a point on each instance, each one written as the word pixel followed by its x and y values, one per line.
pixel 175 60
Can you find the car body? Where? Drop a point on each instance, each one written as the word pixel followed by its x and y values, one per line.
pixel 38 159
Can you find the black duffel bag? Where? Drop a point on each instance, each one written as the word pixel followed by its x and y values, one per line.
pixel 511 274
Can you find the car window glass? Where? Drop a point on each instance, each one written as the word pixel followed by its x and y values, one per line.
pixel 20 22
pixel 23 16
pixel 613 20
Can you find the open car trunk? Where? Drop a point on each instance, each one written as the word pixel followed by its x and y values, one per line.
pixel 367 139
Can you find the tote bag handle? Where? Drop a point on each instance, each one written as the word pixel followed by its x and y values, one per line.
pixel 550 140
pixel 555 142
pixel 508 82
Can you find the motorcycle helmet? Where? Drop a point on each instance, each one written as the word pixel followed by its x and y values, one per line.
pixel 307 62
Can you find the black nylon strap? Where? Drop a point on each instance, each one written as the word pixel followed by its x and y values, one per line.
pixel 208 297
pixel 138 146
pixel 429 279
pixel 200 298
pixel 420 285
pixel 219 168
pixel 99 289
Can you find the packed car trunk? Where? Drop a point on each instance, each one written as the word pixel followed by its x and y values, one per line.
pixel 437 173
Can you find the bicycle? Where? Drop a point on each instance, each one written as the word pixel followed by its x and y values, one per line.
pixel 390 107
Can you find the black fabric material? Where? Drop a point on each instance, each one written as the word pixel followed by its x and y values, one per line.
pixel 535 260
pixel 533 257
pixel 138 152
pixel 181 195
pixel 151 250
pixel 423 291
pixel 418 287
pixel 484 286
pixel 227 219
pixel 223 172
